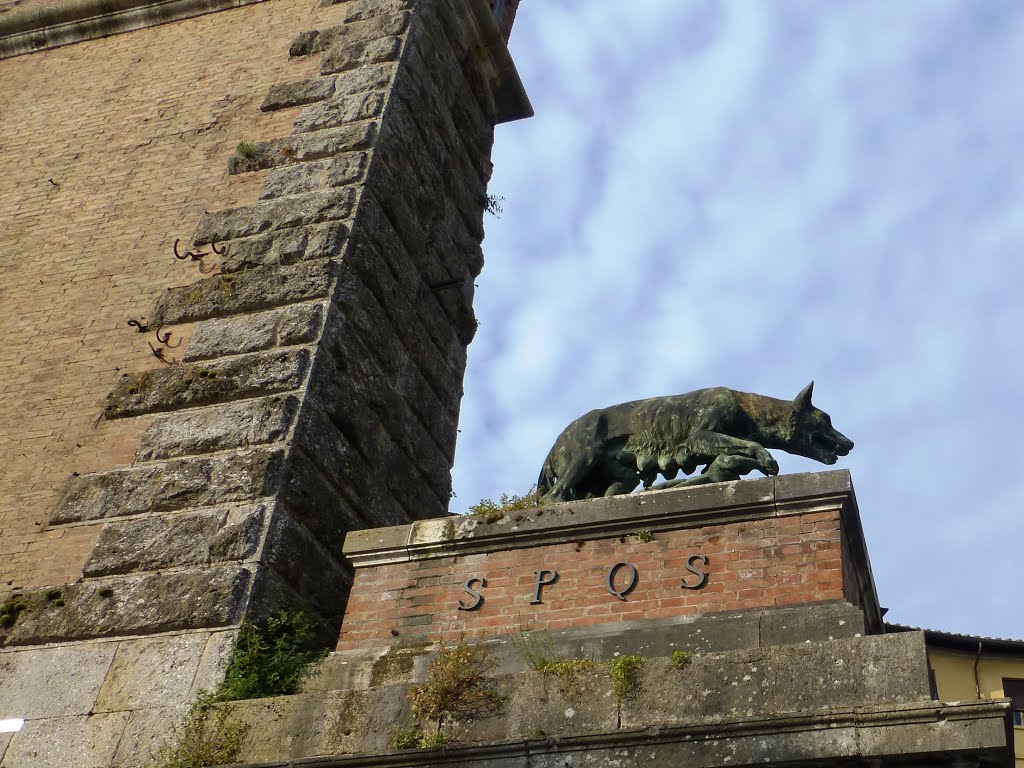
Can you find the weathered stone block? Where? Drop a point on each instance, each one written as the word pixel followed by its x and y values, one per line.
pixel 338 112
pixel 194 384
pixel 420 277
pixel 214 661
pixel 383 25
pixel 149 672
pixel 235 425
pixel 285 213
pixel 384 297
pixel 138 605
pixel 257 288
pixel 304 146
pixel 356 392
pixel 84 742
pixel 367 9
pixel 283 95
pixel 773 680
pixel 167 541
pixel 344 56
pixel 53 682
pixel 335 723
pixel 170 485
pixel 308 565
pixel 146 731
pixel 295 324
pixel 320 505
pixel 286 247
pixel 298 179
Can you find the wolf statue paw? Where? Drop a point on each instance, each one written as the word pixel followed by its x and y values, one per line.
pixel 765 462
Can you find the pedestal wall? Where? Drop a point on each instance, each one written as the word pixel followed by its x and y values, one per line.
pixel 657 555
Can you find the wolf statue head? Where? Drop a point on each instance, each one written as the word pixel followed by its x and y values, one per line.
pixel 811 431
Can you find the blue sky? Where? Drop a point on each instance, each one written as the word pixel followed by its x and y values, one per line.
pixel 756 195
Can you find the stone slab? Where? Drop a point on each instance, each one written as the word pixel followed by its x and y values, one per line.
pixel 183 539
pixel 192 385
pixel 770 681
pixel 82 742
pixel 284 213
pixel 304 147
pixel 301 178
pixel 236 335
pixel 146 731
pixel 214 662
pixel 149 672
pixel 285 247
pixel 248 291
pixel 284 95
pixel 324 724
pixel 336 112
pixel 169 486
pixel 216 428
pixel 343 56
pixel 676 508
pixel 53 682
pixel 137 605
pixel 317 40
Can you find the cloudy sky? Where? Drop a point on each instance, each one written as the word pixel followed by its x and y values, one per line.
pixel 757 194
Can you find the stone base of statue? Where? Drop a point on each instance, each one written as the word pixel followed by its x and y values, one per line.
pixel 720 625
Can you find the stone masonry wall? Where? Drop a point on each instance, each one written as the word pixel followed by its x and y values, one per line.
pixel 778 561
pixel 134 131
pixel 320 391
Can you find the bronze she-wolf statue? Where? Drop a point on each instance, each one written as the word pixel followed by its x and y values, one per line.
pixel 611 450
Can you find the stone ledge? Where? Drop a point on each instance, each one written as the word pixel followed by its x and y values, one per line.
pixel 808 702
pixel 251 290
pixel 169 486
pixel 510 97
pixel 708 633
pixel 135 604
pixel 303 147
pixel 192 385
pixel 76 22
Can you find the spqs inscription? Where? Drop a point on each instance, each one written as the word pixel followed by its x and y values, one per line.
pixel 620 580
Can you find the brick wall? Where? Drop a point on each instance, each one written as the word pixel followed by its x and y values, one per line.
pixel 135 131
pixel 776 561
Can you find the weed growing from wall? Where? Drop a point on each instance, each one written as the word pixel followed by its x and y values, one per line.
pixel 681 658
pixel 267 659
pixel 490 511
pixel 625 671
pixel 458 688
pixel 270 658
pixel 206 738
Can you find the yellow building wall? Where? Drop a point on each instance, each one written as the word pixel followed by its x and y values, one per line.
pixel 954 679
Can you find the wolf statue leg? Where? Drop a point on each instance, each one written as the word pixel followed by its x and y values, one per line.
pixel 711 445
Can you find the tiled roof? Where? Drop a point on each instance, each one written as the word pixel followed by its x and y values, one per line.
pixel 965 642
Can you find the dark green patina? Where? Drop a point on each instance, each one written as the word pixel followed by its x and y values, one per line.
pixel 611 450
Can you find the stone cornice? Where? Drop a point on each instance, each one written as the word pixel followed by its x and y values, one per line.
pixel 81 20
pixel 672 509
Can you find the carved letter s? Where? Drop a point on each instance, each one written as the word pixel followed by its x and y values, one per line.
pixel 696 570
pixel 478 599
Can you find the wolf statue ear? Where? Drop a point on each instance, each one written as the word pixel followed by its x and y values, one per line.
pixel 802 402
